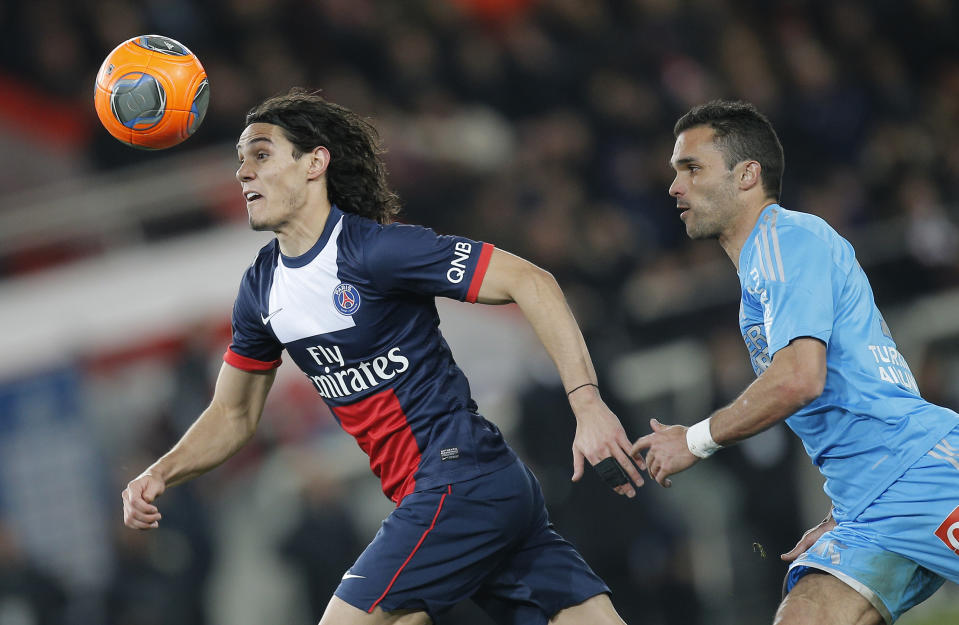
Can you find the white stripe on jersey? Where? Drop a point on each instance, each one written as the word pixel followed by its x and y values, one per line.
pixel 948 459
pixel 764 248
pixel 762 265
pixel 305 295
pixel 775 236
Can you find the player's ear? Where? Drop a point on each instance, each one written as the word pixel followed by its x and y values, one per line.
pixel 750 174
pixel 319 161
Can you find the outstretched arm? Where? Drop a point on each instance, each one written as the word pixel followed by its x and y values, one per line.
pixel 219 432
pixel 795 378
pixel 599 434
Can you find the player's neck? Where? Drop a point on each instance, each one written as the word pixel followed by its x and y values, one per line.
pixel 734 239
pixel 303 230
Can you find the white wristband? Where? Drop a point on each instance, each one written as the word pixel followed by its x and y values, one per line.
pixel 700 441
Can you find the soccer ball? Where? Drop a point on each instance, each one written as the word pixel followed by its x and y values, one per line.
pixel 151 92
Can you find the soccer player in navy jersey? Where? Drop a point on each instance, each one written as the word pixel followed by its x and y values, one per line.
pixel 350 296
pixel 827 365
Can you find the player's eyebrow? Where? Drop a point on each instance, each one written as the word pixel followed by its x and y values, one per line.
pixel 254 140
pixel 682 161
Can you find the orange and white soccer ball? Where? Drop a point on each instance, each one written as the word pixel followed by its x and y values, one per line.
pixel 151 92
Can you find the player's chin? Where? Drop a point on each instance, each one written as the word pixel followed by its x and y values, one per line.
pixel 697 231
pixel 259 224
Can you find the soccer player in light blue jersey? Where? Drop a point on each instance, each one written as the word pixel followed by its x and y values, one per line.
pixel 826 364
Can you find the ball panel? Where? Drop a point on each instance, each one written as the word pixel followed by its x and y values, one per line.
pixel 161 44
pixel 173 129
pixel 200 103
pixel 138 101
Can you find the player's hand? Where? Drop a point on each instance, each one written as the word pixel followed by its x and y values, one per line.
pixel 809 538
pixel 666 452
pixel 600 436
pixel 139 512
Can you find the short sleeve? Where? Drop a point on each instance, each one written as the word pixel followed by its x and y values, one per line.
pixel 414 259
pixel 254 348
pixel 797 270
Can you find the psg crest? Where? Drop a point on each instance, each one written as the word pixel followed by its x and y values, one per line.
pixel 346 298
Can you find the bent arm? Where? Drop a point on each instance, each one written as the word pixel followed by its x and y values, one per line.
pixel 795 378
pixel 599 433
pixel 220 430
pixel 510 278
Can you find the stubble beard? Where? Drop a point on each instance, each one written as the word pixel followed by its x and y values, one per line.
pixel 263 225
pixel 706 228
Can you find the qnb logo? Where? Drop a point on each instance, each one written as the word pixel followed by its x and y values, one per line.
pixel 461 254
pixel 948 532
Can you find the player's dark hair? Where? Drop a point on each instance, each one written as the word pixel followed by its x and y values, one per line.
pixel 742 133
pixel 356 176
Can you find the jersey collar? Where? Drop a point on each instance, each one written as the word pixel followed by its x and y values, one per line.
pixel 294 262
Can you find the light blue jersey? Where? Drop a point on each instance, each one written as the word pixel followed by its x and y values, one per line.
pixel 801 279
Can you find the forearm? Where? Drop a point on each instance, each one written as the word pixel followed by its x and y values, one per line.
pixel 771 398
pixel 213 438
pixel 544 306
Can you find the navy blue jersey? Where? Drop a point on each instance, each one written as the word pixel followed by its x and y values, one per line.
pixel 357 314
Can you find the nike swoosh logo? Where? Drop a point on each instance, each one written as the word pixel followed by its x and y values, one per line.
pixel 266 319
pixel 351 576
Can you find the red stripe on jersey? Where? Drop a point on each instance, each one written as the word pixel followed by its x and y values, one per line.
pixel 481 266
pixel 249 364
pixel 382 430
pixel 449 489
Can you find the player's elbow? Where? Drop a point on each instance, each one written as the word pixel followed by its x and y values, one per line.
pixel 811 391
pixel 805 386
pixel 536 282
pixel 801 371
pixel 238 420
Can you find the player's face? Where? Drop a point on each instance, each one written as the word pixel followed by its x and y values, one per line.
pixel 703 187
pixel 274 183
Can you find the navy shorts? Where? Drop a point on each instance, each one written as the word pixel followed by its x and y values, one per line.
pixel 488 539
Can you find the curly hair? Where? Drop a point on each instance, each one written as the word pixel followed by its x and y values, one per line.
pixel 741 133
pixel 356 177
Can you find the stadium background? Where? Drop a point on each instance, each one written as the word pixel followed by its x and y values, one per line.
pixel 541 126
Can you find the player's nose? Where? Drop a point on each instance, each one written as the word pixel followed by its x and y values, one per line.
pixel 244 172
pixel 674 188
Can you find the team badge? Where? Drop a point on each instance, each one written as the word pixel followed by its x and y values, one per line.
pixel 346 298
pixel 948 531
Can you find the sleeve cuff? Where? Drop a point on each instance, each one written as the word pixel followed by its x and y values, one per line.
pixel 249 364
pixel 479 273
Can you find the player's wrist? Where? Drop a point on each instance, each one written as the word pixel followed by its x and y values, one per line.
pixel 699 440
pixel 155 472
pixel 583 396
pixel 587 387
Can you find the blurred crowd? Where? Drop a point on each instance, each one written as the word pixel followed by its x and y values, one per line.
pixel 544 127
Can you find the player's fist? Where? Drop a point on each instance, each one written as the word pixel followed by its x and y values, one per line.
pixel 139 512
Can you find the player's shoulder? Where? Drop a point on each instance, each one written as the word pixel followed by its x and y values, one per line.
pixel 263 263
pixel 782 238
pixel 796 228
pixel 358 231
pixel 397 238
pixel 797 222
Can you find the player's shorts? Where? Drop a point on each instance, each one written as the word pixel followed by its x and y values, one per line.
pixel 488 539
pixel 905 544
